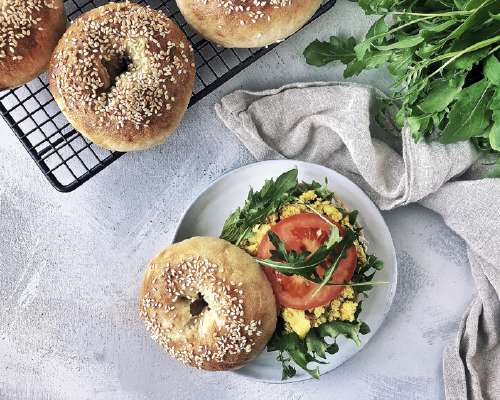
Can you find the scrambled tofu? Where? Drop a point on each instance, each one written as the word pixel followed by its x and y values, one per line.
pixel 342 308
pixel 252 243
pixel 360 251
pixel 324 207
pixel 296 321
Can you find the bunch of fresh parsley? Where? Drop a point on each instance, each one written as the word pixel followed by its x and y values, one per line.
pixel 444 57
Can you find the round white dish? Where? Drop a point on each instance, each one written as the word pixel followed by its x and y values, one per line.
pixel 206 216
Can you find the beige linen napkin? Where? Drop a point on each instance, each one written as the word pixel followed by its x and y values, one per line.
pixel 335 124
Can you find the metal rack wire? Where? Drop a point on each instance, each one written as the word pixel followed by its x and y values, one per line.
pixel 65 157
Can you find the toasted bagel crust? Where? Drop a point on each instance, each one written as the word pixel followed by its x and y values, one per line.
pixel 238 319
pixel 247 23
pixel 29 32
pixel 123 76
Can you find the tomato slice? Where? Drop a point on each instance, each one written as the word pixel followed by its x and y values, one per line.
pixel 301 232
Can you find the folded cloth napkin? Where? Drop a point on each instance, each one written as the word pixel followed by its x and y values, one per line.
pixel 341 125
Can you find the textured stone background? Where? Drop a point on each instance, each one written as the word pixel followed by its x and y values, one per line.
pixel 70 266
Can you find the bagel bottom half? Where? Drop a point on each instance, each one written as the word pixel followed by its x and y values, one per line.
pixel 208 304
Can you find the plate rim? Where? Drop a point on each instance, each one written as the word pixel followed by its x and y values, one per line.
pixel 360 191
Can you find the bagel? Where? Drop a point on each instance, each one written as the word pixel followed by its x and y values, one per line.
pixel 29 32
pixel 123 75
pixel 247 23
pixel 208 304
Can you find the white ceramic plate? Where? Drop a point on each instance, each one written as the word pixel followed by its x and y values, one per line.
pixel 206 216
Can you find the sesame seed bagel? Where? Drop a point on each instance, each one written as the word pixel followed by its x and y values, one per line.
pixel 123 75
pixel 208 304
pixel 29 32
pixel 247 23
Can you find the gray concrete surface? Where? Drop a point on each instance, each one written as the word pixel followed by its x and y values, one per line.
pixel 70 267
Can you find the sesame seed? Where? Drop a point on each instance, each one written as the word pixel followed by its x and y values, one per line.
pixel 249 11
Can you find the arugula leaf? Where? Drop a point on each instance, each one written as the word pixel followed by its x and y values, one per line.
pixel 405 43
pixel 363 275
pixel 495 171
pixel 258 206
pixel 353 216
pixel 303 264
pixel 442 93
pixel 375 35
pixel 495 101
pixel 350 330
pixel 317 346
pixel 492 70
pixel 313 347
pixel 354 68
pixel 468 60
pixel 364 329
pixel 291 344
pixel 470 115
pixel 336 49
pixel 345 243
pixel 321 190
pixel 494 135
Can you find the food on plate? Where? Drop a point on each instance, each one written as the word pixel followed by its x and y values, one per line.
pixel 444 57
pixel 312 249
pixel 123 75
pixel 29 31
pixel 240 23
pixel 208 303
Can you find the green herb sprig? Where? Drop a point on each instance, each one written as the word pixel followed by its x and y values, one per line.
pixel 444 57
pixel 258 206
pixel 304 264
pixel 314 347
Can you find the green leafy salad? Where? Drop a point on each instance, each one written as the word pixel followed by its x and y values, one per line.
pixel 312 249
pixel 444 57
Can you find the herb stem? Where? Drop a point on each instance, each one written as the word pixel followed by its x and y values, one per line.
pixel 453 56
pixel 434 15
pixel 242 236
pixel 494 50
pixel 320 215
pixel 329 272
pixel 390 31
pixel 281 266
pixel 354 284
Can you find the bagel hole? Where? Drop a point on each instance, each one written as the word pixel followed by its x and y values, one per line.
pixel 116 66
pixel 198 305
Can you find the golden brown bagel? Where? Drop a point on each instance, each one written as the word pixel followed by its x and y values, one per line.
pixel 29 31
pixel 247 23
pixel 234 324
pixel 123 76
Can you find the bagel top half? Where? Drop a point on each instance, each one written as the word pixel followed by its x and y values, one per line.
pixel 29 32
pixel 123 75
pixel 247 23
pixel 208 304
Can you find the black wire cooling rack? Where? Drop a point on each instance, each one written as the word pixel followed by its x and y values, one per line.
pixel 65 157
